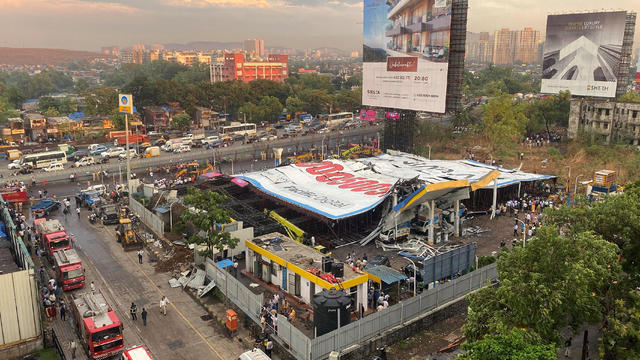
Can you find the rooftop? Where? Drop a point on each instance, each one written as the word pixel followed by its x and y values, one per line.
pixel 284 250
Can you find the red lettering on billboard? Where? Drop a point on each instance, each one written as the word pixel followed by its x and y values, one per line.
pixel 332 174
pixel 404 64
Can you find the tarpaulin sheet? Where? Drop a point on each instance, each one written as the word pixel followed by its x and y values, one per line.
pixel 408 166
pixel 335 189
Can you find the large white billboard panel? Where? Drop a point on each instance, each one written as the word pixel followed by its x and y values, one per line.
pixel 582 53
pixel 406 54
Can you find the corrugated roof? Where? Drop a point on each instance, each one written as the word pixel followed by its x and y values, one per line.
pixel 385 273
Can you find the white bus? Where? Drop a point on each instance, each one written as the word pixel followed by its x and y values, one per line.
pixel 238 129
pixel 43 159
pixel 333 120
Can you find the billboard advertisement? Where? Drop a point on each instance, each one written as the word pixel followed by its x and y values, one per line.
pixel 582 53
pixel 368 115
pixel 406 54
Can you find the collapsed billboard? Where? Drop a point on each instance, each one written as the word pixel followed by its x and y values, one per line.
pixel 582 53
pixel 406 54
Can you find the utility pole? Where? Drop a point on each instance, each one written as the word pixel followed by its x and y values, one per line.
pixel 126 139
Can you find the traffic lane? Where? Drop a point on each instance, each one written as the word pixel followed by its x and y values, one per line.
pixel 116 273
pixel 290 145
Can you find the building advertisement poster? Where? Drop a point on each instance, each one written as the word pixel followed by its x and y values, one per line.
pixel 368 115
pixel 582 53
pixel 406 54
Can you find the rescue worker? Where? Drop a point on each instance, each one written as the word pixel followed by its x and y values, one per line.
pixel 134 311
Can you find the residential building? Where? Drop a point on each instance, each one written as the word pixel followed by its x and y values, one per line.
pixel 35 126
pixel 479 47
pixel 253 47
pixel 158 118
pixel 235 67
pixel 202 118
pixel 504 47
pixel 527 43
pixel 30 105
pixel 418 26
pixel 612 121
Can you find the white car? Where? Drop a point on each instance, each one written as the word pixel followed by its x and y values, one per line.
pixel 85 161
pixel 54 167
pixel 113 152
pixel 132 154
pixel 182 149
pixel 14 165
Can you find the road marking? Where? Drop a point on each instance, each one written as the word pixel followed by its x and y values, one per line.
pixel 171 303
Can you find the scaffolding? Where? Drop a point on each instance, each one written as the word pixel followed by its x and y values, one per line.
pixel 625 56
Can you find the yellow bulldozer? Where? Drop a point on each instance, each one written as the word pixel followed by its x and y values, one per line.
pixel 191 169
pixel 126 236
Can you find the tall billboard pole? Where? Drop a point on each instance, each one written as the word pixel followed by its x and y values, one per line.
pixel 125 102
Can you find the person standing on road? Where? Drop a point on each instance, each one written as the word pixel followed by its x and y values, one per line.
pixel 42 272
pixel 78 212
pixel 40 194
pixel 63 311
pixel 93 288
pixel 163 305
pixel 73 346
pixel 144 316
pixel 269 347
pixel 140 252
pixel 134 311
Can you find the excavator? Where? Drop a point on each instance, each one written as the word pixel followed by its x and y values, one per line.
pixel 356 151
pixel 306 157
pixel 127 236
pixel 192 169
pixel 293 231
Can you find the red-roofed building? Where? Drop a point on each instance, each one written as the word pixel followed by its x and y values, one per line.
pixel 235 67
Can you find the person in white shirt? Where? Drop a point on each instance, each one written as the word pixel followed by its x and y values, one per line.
pixel 163 305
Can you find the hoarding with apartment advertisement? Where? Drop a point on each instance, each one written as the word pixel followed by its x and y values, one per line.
pixel 406 54
pixel 582 53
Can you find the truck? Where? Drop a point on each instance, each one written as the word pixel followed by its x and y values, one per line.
pixel 98 325
pixel 109 214
pixel 137 352
pixel 53 236
pixel 69 270
pixel 133 139
pixel 44 207
pixel 152 151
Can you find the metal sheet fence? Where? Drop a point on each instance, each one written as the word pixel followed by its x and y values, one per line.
pixel 20 250
pixel 244 298
pixel 150 219
pixel 401 313
pixel 19 307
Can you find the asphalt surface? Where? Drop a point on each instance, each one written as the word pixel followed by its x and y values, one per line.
pixel 332 141
pixel 182 334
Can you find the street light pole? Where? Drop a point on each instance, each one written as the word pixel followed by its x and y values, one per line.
pixel 575 186
pixel 429 151
pixel 322 147
pixel 415 279
pixel 126 139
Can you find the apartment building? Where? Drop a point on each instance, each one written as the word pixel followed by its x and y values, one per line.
pixel 612 121
pixel 235 67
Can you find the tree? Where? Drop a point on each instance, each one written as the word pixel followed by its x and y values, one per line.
pixel 81 86
pixel 181 121
pixel 51 112
pixel 15 96
pixel 504 120
pixel 632 96
pixel 47 102
pixel 206 215
pixel 556 281
pixel 269 108
pixel 621 330
pixel 117 119
pixel 249 111
pixel 101 100
pixel 349 100
pixel 294 105
pixel 514 345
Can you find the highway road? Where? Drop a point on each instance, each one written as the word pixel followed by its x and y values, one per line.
pixel 235 153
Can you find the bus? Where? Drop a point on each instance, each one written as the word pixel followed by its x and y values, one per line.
pixel 333 120
pixel 43 159
pixel 238 129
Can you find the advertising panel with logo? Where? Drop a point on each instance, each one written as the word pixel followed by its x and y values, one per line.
pixel 406 54
pixel 582 53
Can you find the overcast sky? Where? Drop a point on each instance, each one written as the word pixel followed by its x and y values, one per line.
pixel 90 24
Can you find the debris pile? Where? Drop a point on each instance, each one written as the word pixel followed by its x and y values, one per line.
pixel 179 258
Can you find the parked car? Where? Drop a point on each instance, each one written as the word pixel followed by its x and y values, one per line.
pixel 98 149
pixel 113 152
pixel 182 149
pixel 132 153
pixel 238 137
pixel 14 165
pixel 54 167
pixel 85 161
pixel 77 155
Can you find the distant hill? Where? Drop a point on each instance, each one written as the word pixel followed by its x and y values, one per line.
pixel 203 45
pixel 33 56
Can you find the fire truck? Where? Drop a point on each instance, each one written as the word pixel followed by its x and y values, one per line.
pixel 53 236
pixel 138 352
pixel 69 269
pixel 98 325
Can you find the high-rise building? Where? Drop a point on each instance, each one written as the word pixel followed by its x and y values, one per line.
pixel 527 45
pixel 478 48
pixel 504 44
pixel 253 47
pixel 235 67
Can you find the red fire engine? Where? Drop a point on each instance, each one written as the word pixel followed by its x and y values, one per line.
pixel 69 269
pixel 53 236
pixel 98 324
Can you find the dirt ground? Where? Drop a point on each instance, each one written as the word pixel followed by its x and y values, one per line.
pixel 425 344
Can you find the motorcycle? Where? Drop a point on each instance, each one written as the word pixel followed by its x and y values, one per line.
pixel 93 218
pixel 382 354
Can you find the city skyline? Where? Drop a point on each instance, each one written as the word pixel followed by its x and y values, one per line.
pixel 89 25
